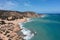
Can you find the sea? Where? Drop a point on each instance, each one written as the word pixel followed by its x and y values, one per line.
pixel 46 27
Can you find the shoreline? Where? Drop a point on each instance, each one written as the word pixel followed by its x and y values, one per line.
pixel 28 33
pixel 15 29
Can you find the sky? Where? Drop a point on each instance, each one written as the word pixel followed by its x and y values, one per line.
pixel 39 6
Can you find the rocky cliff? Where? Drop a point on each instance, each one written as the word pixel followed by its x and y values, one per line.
pixel 16 14
pixel 9 28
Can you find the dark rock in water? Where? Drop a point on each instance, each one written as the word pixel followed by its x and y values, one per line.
pixel 33 32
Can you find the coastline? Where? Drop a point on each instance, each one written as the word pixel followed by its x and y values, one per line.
pixel 28 33
pixel 15 29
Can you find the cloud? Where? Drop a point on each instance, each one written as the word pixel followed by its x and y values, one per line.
pixel 7 5
pixel 15 5
pixel 27 4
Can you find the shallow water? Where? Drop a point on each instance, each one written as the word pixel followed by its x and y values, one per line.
pixel 47 28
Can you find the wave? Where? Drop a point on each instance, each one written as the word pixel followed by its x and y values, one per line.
pixel 28 20
pixel 45 15
pixel 42 16
pixel 29 34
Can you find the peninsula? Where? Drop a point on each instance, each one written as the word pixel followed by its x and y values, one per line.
pixel 9 28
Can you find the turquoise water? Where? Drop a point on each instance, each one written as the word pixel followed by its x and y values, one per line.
pixel 47 28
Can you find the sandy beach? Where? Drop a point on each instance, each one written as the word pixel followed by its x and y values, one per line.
pixel 13 26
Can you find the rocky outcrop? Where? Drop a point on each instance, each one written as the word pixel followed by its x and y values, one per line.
pixel 7 32
pixel 4 14
pixel 9 28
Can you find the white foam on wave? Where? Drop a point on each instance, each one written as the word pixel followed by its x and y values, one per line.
pixel 28 20
pixel 43 16
pixel 29 34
